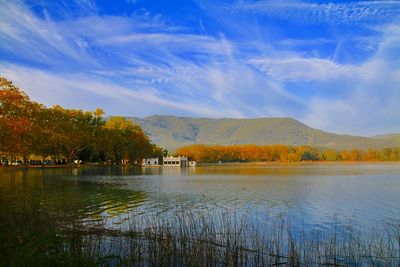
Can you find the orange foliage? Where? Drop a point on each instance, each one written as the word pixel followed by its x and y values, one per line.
pixel 28 128
pixel 281 153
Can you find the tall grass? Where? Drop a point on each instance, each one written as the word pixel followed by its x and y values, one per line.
pixel 30 236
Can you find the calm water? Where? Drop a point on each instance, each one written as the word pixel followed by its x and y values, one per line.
pixel 310 195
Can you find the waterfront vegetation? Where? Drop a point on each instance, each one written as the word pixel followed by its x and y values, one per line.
pixel 31 236
pixel 283 153
pixel 32 132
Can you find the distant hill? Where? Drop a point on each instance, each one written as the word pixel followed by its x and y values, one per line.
pixel 393 137
pixel 171 132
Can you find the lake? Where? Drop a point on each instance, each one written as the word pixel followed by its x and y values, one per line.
pixel 306 214
pixel 314 196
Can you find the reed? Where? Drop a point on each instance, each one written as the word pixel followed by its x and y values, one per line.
pixel 30 237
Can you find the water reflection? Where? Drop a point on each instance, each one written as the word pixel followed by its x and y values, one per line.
pixel 66 192
pixel 309 194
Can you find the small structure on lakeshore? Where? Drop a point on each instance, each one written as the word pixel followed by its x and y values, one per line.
pixel 192 163
pixel 175 161
pixel 150 162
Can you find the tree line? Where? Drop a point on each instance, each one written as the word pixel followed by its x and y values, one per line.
pixel 31 130
pixel 283 153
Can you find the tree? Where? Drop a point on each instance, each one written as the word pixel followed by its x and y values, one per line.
pixel 331 155
pixel 16 111
pixel 309 155
pixel 127 140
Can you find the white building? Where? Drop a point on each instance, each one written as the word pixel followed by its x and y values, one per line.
pixel 175 161
pixel 192 163
pixel 150 162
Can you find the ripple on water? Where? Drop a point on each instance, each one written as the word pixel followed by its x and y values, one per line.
pixel 309 195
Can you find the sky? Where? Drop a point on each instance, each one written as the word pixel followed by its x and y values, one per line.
pixel 332 65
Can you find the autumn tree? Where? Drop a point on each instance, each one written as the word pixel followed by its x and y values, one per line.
pixel 16 111
pixel 282 153
pixel 28 128
pixel 127 140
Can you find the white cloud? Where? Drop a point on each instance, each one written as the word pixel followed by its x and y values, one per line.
pixel 301 68
pixel 77 91
pixel 39 40
pixel 70 41
pixel 337 13
pixel 140 66
pixel 168 42
pixel 372 106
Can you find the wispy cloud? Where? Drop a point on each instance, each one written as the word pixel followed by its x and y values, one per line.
pixel 37 40
pixel 167 68
pixel 304 69
pixel 80 90
pixel 338 13
pixel 371 105
pixel 140 65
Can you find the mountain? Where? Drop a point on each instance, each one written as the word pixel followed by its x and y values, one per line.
pixel 394 137
pixel 171 132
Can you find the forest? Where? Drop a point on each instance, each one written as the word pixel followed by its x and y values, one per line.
pixel 32 132
pixel 282 153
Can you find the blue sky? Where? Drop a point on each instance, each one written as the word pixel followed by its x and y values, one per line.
pixel 332 65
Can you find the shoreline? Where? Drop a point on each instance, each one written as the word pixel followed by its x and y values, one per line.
pixel 63 166
pixel 297 162
pixel 259 163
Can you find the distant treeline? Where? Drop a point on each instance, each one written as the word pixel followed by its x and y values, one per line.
pixel 31 130
pixel 283 153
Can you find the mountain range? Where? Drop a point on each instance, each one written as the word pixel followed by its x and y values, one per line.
pixel 171 132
